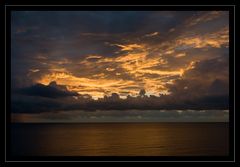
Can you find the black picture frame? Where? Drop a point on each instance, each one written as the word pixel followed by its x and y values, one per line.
pixel 231 158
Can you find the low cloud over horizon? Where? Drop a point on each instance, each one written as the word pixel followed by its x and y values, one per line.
pixel 80 116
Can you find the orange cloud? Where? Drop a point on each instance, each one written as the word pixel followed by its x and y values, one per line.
pixel 169 52
pixel 93 57
pixel 215 39
pixel 129 47
pixel 180 55
pixel 137 64
pixel 110 69
pixel 86 85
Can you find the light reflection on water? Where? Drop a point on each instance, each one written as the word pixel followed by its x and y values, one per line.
pixel 120 139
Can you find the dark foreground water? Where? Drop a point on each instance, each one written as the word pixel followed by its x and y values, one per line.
pixel 124 139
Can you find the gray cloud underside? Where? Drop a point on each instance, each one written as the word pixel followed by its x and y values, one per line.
pixel 126 116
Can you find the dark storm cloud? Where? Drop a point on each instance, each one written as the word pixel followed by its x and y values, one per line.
pixel 209 77
pixel 51 91
pixel 31 100
pixel 54 24
pixel 33 104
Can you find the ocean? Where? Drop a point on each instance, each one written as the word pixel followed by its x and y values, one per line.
pixel 119 139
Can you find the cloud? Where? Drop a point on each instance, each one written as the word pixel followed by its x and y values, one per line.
pixel 125 116
pixel 34 70
pixel 129 47
pixel 180 55
pixel 100 53
pixel 204 17
pixel 110 69
pixel 216 39
pixel 51 91
pixel 217 85
pixel 205 79
pixel 33 104
pixel 169 52
pixel 93 57
pixel 171 30
pixel 152 34
pixel 127 68
pixel 186 93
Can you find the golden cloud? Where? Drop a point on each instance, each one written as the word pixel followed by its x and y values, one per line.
pixel 215 40
pixel 93 57
pixel 169 52
pixel 110 69
pixel 137 63
pixel 180 55
pixel 129 47
pixel 93 87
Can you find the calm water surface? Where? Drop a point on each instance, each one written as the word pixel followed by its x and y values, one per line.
pixel 120 139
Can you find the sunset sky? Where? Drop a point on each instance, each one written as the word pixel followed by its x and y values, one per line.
pixel 177 53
